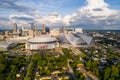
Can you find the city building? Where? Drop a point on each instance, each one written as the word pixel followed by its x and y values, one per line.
pixel 32 26
pixel 31 33
pixel 24 32
pixel 78 30
pixel 4 46
pixel 1 37
pixel 33 30
pixel 70 30
pixel 15 28
pixel 15 33
pixel 63 29
pixel 41 42
pixel 47 29
pixel 20 39
pixel 43 28
pixel 6 34
pixel 55 32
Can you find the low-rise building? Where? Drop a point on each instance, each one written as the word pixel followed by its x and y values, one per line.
pixel 4 46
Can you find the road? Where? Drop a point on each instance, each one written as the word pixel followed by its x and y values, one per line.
pixel 29 65
pixel 71 70
pixel 87 74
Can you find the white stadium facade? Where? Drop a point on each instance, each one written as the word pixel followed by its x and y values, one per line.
pixel 75 40
pixel 41 42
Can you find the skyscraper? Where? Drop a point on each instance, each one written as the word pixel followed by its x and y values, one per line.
pixel 34 29
pixel 47 29
pixel 32 26
pixel 43 28
pixel 63 29
pixel 15 28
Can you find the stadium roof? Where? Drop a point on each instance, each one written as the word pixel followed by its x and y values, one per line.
pixel 43 38
pixel 75 39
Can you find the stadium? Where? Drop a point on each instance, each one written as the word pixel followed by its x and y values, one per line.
pixel 41 42
pixel 76 40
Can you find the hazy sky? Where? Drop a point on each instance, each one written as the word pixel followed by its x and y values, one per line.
pixel 87 14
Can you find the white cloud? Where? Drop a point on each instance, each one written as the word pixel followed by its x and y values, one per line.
pixel 52 19
pixel 95 13
pixel 91 4
pixel 21 19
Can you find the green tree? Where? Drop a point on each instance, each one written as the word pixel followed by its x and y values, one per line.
pixel 115 72
pixel 107 73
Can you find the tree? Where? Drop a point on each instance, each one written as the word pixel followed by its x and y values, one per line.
pixel 115 72
pixel 96 72
pixel 27 78
pixel 89 65
pixel 107 73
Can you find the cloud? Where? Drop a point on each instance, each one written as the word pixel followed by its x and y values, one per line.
pixel 23 17
pixel 12 4
pixel 94 4
pixel 94 16
pixel 52 19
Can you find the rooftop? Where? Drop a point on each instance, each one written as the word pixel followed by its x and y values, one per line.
pixel 43 38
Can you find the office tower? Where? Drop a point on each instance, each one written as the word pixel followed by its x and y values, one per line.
pixel 32 26
pixel 63 29
pixel 34 29
pixel 43 28
pixel 47 29
pixel 15 28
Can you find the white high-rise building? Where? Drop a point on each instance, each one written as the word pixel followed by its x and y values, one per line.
pixel 79 30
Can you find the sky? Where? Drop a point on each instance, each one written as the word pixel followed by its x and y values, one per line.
pixel 86 14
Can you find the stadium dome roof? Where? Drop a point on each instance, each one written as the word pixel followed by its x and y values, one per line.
pixel 75 39
pixel 40 39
